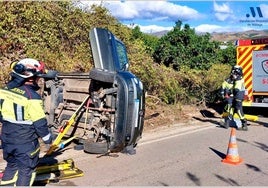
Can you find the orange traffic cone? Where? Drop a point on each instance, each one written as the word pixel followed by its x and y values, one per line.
pixel 232 156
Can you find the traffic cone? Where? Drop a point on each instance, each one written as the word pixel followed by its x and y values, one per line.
pixel 232 156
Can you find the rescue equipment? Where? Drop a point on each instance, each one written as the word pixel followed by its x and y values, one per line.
pixel 247 116
pixel 64 129
pixel 55 172
pixel 65 164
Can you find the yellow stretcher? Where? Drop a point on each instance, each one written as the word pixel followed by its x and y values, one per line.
pixel 47 173
pixel 55 172
pixel 247 116
pixel 64 165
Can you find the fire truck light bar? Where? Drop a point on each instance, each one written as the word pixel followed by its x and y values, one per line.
pixel 259 41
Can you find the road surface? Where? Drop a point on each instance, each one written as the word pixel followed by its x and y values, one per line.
pixel 188 155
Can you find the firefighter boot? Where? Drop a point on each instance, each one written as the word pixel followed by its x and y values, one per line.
pixel 244 124
pixel 226 123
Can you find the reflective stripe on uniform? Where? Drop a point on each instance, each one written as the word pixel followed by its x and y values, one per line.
pixel 18 122
pixel 35 151
pixel 47 137
pixel 1 102
pixel 19 112
pixel 10 182
pixel 32 178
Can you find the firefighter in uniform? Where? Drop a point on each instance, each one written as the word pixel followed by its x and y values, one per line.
pixel 23 122
pixel 239 93
pixel 227 93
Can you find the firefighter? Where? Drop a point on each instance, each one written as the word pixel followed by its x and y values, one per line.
pixel 227 93
pixel 23 122
pixel 239 93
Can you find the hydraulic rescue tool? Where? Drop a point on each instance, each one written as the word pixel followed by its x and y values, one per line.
pixel 64 129
pixel 65 169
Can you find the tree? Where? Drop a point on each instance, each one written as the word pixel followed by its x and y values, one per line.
pixel 148 40
pixel 228 55
pixel 183 47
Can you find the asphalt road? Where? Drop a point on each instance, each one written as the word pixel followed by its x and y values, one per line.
pixel 179 155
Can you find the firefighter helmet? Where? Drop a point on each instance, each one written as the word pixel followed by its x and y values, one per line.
pixel 28 67
pixel 237 70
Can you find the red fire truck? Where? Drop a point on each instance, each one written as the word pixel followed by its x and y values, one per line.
pixel 252 56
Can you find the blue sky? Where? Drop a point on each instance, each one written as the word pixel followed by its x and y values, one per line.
pixel 203 16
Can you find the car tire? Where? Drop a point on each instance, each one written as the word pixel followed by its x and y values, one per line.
pixel 95 147
pixel 101 75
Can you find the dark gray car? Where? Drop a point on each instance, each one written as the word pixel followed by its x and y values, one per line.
pixel 112 118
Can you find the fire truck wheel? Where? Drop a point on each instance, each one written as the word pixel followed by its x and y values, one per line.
pixel 95 147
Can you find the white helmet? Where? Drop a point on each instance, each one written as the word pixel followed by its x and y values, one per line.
pixel 28 67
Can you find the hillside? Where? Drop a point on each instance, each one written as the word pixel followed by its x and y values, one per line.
pixel 232 36
pixel 229 36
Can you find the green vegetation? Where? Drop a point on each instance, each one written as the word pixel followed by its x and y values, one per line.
pixel 182 47
pixel 179 68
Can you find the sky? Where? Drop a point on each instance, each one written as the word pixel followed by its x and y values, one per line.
pixel 204 16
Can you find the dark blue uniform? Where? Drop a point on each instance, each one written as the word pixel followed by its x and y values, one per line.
pixel 239 93
pixel 23 122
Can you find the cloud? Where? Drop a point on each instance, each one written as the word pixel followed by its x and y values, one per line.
pixel 153 28
pixel 217 28
pixel 154 16
pixel 224 8
pixel 264 7
pixel 203 28
pixel 148 10
pixel 222 12
pixel 206 27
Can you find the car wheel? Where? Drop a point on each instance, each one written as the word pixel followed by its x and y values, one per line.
pixel 95 147
pixel 101 75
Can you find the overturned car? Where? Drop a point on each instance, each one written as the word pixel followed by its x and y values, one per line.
pixel 111 116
